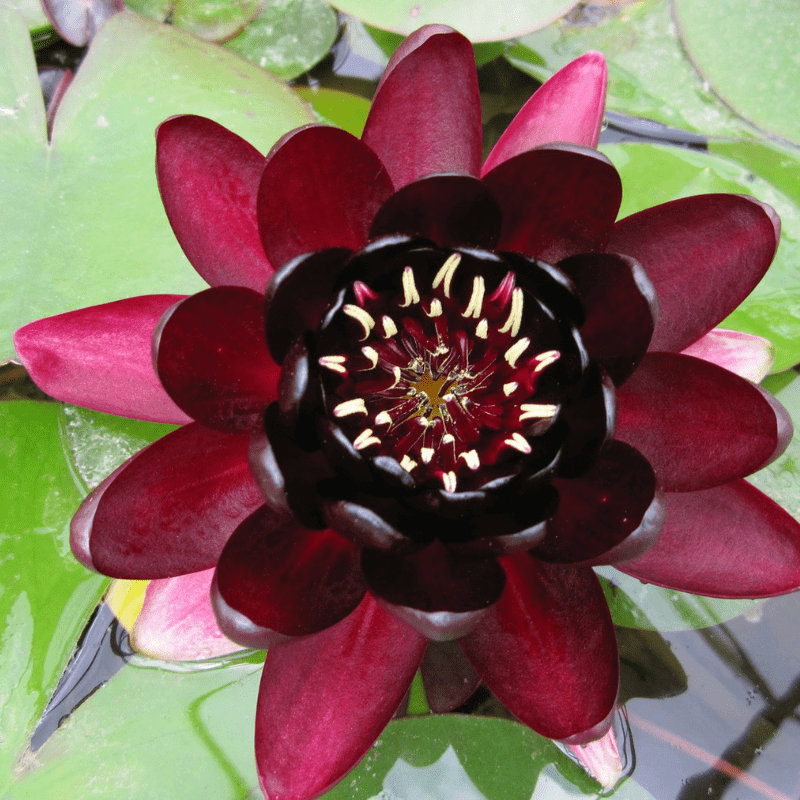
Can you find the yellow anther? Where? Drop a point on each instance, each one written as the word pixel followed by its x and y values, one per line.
pixel 446 272
pixel 516 350
pixel 348 407
pixel 360 315
pixel 410 293
pixel 475 304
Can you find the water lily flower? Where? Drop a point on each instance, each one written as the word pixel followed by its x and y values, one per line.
pixel 424 396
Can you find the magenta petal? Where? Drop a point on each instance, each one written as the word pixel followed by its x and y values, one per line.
pixel 325 699
pixel 568 108
pixel 611 513
pixel 426 115
pixel 176 622
pixel 703 254
pixel 448 676
pixel 208 178
pixel 556 201
pixel 547 649
pixel 211 356
pixel 321 188
pixel 99 358
pixel 696 423
pixel 171 509
pixel 287 578
pixel 747 355
pixel 730 541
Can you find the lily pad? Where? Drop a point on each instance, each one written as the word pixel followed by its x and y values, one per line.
pixel 288 37
pixel 31 11
pixel 479 21
pixel 745 51
pixel 82 221
pixel 653 174
pixel 345 110
pixel 208 19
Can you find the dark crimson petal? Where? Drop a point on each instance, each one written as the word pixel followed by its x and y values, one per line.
pixel 729 541
pixel 556 201
pixel 613 512
pixel 208 178
pixel 567 108
pixel 325 699
pixel 212 358
pixel 437 626
pixel 173 507
pixel 426 115
pixel 434 579
pixel 366 526
pixel 321 188
pixel 696 423
pixel 621 308
pixel 547 649
pixel 298 296
pixel 449 678
pixel 100 358
pixel 704 255
pixel 451 210
pixel 288 578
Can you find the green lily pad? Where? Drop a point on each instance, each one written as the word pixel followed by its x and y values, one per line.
pixel 653 174
pixel 31 11
pixel 82 221
pixel 345 110
pixel 208 19
pixel 477 20
pixel 288 37
pixel 749 56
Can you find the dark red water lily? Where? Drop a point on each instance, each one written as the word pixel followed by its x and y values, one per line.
pixel 470 391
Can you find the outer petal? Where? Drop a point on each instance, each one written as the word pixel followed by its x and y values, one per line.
pixel 698 424
pixel 748 356
pixel 547 649
pixel 730 541
pixel 426 115
pixel 326 698
pixel 212 358
pixel 287 578
pixel 99 358
pixel 321 188
pixel 567 108
pixel 704 255
pixel 556 201
pixel 449 677
pixel 209 179
pixel 171 509
pixel 177 623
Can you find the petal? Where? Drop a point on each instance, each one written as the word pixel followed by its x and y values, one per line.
pixel 547 649
pixel 696 423
pixel 703 254
pixel 611 513
pixel 325 699
pixel 449 677
pixel 177 623
pixel 729 541
pixel 99 358
pixel 208 178
pixel 287 578
pixel 211 356
pixel 749 356
pixel 171 509
pixel 451 210
pixel 556 201
pixel 426 115
pixel 601 759
pixel 567 108
pixel 621 308
pixel 321 188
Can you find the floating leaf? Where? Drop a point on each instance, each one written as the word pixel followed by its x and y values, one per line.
pixel 348 111
pixel 208 19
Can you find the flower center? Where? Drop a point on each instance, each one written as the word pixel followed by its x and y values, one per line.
pixel 445 363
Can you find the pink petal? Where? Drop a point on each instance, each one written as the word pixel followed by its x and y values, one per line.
pixel 426 115
pixel 77 21
pixel 730 541
pixel 703 254
pixel 698 424
pixel 176 622
pixel 211 356
pixel 321 188
pixel 601 759
pixel 568 108
pixel 171 509
pixel 748 356
pixel 208 178
pixel 547 650
pixel 556 201
pixel 99 358
pixel 325 699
